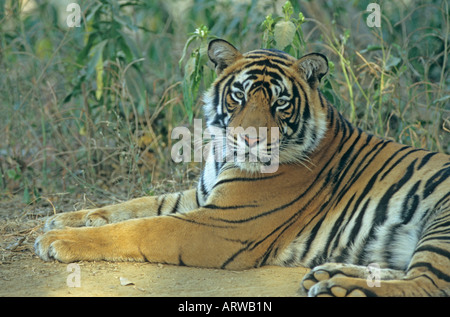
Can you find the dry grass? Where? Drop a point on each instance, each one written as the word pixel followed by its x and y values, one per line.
pixel 63 144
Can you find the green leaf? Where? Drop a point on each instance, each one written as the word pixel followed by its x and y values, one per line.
pixel 95 54
pixel 371 48
pixel 44 48
pixel 188 99
pixel 268 23
pixel 441 99
pixel 189 68
pixel 186 46
pixel 26 196
pixel 392 62
pixel 99 79
pixel 128 46
pixel 13 174
pixel 284 33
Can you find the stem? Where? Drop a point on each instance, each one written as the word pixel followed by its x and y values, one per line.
pixel 343 63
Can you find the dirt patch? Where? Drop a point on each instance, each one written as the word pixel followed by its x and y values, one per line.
pixel 33 277
pixel 24 274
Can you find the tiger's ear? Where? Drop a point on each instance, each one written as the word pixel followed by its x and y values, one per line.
pixel 222 54
pixel 313 67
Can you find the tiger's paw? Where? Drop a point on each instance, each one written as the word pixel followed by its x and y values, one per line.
pixel 88 218
pixel 60 245
pixel 335 280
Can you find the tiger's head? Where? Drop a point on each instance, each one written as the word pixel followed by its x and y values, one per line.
pixel 267 103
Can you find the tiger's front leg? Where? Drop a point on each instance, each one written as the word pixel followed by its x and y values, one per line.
pixel 135 208
pixel 182 240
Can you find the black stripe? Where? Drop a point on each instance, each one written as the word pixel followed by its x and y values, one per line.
pixel 212 206
pixel 244 179
pixel 311 238
pixel 345 126
pixel 344 159
pixel 435 180
pixel 218 89
pixel 286 225
pixel 434 249
pixel 219 120
pixel 441 275
pixel 160 206
pixel 238 85
pixel 231 258
pixel 331 121
pixel 224 91
pixel 445 238
pixel 261 214
pixel 265 86
pixel 335 234
pixel 433 230
pixel 293 121
pixel 180 261
pixel 205 192
pixel 259 71
pixel 357 174
pixel 380 212
pixel 196 198
pixel 366 291
pixel 267 52
pixel 382 208
pixel 292 220
pixel 180 217
pixel 410 203
pixel 423 276
pixel 425 159
pixel 358 222
pixel 399 161
pixel 389 240
pixel 217 164
pixel 354 233
pixel 267 256
pixel 305 116
pixel 177 204
pixel 444 199
pixel 266 63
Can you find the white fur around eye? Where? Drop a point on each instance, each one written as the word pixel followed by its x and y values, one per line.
pixel 238 96
pixel 282 104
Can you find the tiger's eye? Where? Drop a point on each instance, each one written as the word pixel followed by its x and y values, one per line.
pixel 239 95
pixel 281 102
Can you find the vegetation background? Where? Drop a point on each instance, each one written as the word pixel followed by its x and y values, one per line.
pixel 86 113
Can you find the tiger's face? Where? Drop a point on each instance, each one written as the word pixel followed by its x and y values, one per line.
pixel 267 102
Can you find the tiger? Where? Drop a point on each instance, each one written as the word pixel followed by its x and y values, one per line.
pixel 367 215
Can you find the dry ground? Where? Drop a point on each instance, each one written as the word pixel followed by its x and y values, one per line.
pixel 24 274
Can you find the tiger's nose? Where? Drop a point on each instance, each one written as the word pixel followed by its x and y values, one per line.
pixel 251 142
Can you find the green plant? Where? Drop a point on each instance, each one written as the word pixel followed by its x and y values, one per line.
pixel 285 32
pixel 91 109
pixel 196 71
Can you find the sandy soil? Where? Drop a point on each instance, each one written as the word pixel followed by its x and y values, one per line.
pixel 24 274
